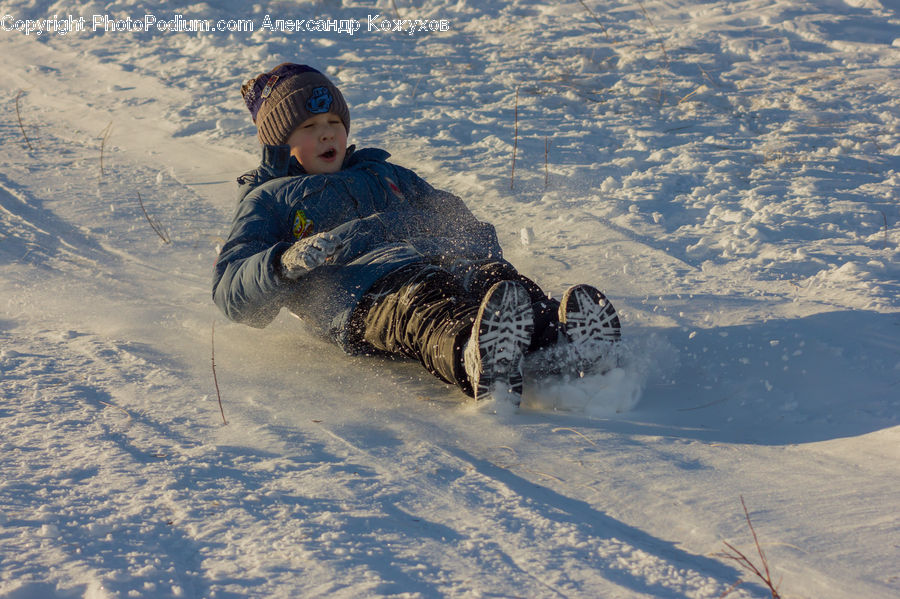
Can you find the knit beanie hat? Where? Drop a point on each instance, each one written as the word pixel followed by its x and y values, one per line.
pixel 284 97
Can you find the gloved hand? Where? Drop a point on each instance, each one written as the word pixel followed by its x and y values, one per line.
pixel 307 254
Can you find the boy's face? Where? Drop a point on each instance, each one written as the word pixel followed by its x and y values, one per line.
pixel 319 143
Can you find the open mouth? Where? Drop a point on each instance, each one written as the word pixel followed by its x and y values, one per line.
pixel 328 155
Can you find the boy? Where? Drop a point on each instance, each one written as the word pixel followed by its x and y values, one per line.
pixel 374 257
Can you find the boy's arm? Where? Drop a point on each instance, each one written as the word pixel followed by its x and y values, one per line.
pixel 246 284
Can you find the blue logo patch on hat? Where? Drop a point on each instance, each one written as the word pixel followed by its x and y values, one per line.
pixel 320 100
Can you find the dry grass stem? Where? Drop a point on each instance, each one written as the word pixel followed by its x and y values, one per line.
pixel 708 78
pixel 706 405
pixel 512 176
pixel 155 224
pixel 742 560
pixel 546 161
pixel 416 87
pixel 544 474
pixel 215 378
pixel 104 137
pixel 662 45
pixel 120 408
pixel 396 10
pixel 594 16
pixel 688 96
pixel 730 589
pixel 572 430
pixel 22 127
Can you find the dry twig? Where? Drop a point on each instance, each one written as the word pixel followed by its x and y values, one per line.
pixel 602 27
pixel 19 116
pixel 512 176
pixel 546 161
pixel 396 10
pixel 416 87
pixel 215 378
pixel 572 430
pixel 705 74
pixel 120 408
pixel 731 588
pixel 688 96
pixel 736 555
pixel 157 226
pixel 104 137
pixel 662 45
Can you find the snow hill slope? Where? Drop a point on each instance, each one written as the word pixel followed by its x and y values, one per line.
pixel 728 172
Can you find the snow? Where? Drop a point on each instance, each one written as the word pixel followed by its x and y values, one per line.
pixel 727 172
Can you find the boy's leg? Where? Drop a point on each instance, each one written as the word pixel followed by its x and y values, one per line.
pixel 478 277
pixel 501 334
pixel 590 323
pixel 420 312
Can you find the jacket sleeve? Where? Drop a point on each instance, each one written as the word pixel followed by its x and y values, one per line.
pixel 246 284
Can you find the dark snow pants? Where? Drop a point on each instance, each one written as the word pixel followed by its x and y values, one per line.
pixel 425 312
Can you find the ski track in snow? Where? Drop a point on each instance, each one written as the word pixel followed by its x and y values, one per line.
pixel 727 173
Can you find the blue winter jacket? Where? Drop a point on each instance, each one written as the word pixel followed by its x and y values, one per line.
pixel 385 215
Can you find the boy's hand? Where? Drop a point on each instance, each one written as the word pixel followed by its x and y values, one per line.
pixel 307 254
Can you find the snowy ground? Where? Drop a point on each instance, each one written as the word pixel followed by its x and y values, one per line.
pixel 728 172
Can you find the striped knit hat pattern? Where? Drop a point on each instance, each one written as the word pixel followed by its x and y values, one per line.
pixel 284 97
